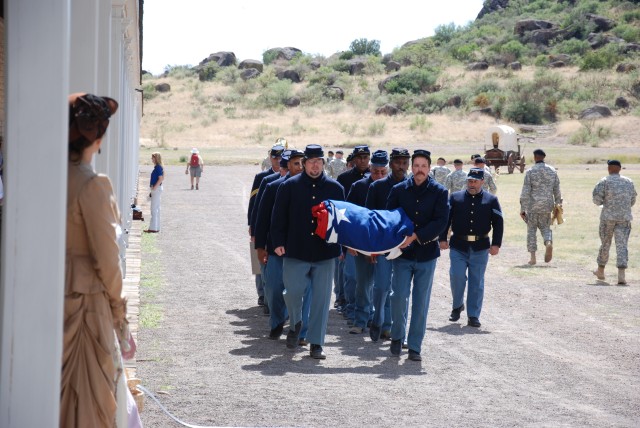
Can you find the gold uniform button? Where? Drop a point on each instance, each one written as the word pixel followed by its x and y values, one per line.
pixel 313 197
pixel 311 233
pixel 471 221
pixel 314 185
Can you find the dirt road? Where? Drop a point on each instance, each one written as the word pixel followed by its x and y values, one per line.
pixel 554 349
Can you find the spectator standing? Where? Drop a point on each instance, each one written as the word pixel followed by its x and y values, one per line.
pixel 457 180
pixel 616 194
pixel 157 177
pixel 440 171
pixel 195 166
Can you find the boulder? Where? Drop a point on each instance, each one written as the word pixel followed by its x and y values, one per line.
pixel 392 66
pixel 292 102
pixel 595 112
pixel 251 63
pixel 515 66
pixel 602 23
pixel 386 58
pixel 388 110
pixel 527 25
pixel 621 102
pixel 475 66
pixel 492 6
pixel 334 92
pixel 560 57
pixel 383 83
pixel 314 65
pixel 632 47
pixel 286 54
pixel 289 74
pixel 598 40
pixel 542 37
pixel 557 64
pixel 249 73
pixel 454 101
pixel 626 68
pixel 356 66
pixel 163 87
pixel 223 59
pixel 486 110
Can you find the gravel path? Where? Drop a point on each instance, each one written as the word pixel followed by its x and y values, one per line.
pixel 553 349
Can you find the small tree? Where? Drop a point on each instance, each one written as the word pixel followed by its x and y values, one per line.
pixel 365 47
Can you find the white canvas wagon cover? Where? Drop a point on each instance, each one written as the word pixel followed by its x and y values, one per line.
pixel 501 137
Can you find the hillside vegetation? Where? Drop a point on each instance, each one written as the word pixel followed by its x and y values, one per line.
pixel 532 62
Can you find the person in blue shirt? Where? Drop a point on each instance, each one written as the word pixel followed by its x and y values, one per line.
pixel 308 259
pixel 360 158
pixel 377 196
pixel 426 203
pixel 474 213
pixel 275 154
pixel 364 264
pixel 157 177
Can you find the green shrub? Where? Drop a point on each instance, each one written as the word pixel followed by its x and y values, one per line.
pixel 208 72
pixel 524 112
pixel 341 66
pixel 572 47
pixel 513 48
pixel 420 124
pixel 629 33
pixel 229 75
pixel 375 128
pixel 183 159
pixel 365 47
pixel 325 76
pixel 349 129
pixel 275 94
pixel 413 80
pixel 445 33
pixel 346 55
pixel 179 71
pixel 149 91
pixel 465 52
pixel 600 59
pixel 630 16
pixel 269 56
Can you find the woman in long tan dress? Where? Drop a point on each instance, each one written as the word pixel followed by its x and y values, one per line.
pixel 94 307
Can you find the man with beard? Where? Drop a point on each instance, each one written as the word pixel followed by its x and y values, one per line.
pixel 426 203
pixel 377 200
pixel 308 259
pixel 474 213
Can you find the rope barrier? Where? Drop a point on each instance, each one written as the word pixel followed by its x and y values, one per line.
pixel 164 409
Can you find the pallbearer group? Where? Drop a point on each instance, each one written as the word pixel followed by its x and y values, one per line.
pixel 451 210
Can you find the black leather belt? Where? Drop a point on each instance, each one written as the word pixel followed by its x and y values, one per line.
pixel 472 238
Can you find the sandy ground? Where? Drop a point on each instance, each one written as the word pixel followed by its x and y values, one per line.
pixel 555 349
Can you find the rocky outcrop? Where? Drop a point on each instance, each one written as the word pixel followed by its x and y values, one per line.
pixel 314 65
pixel 292 102
pixel 543 37
pixel 383 82
pixel 478 66
pixel 223 59
pixel 602 23
pixel 621 102
pixel 334 93
pixel 492 6
pixel 163 87
pixel 289 74
pixel 557 64
pixel 454 101
pixel 596 111
pixel 388 110
pixel 515 66
pixel 251 63
pixel 286 54
pixel 626 68
pixel 527 25
pixel 598 40
pixel 249 73
pixel 392 66
pixel 356 66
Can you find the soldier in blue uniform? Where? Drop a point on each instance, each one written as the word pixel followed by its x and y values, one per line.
pixel 474 213
pixel 365 264
pixel 377 196
pixel 308 259
pixel 274 285
pixel 360 158
pixel 275 154
pixel 426 203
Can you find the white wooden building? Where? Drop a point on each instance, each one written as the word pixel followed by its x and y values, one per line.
pixel 49 50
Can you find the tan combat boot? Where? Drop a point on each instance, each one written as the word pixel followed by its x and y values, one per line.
pixel 599 273
pixel 548 253
pixel 533 258
pixel 621 279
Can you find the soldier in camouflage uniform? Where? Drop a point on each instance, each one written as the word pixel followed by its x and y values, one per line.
pixel 540 194
pixel 457 180
pixel 616 194
pixel 489 181
pixel 440 171
pixel 337 166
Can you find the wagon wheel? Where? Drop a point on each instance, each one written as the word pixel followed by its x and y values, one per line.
pixel 511 164
pixel 522 164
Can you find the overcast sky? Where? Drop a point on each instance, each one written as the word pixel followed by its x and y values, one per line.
pixel 185 32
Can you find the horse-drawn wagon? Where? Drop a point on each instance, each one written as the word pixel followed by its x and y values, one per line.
pixel 504 148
